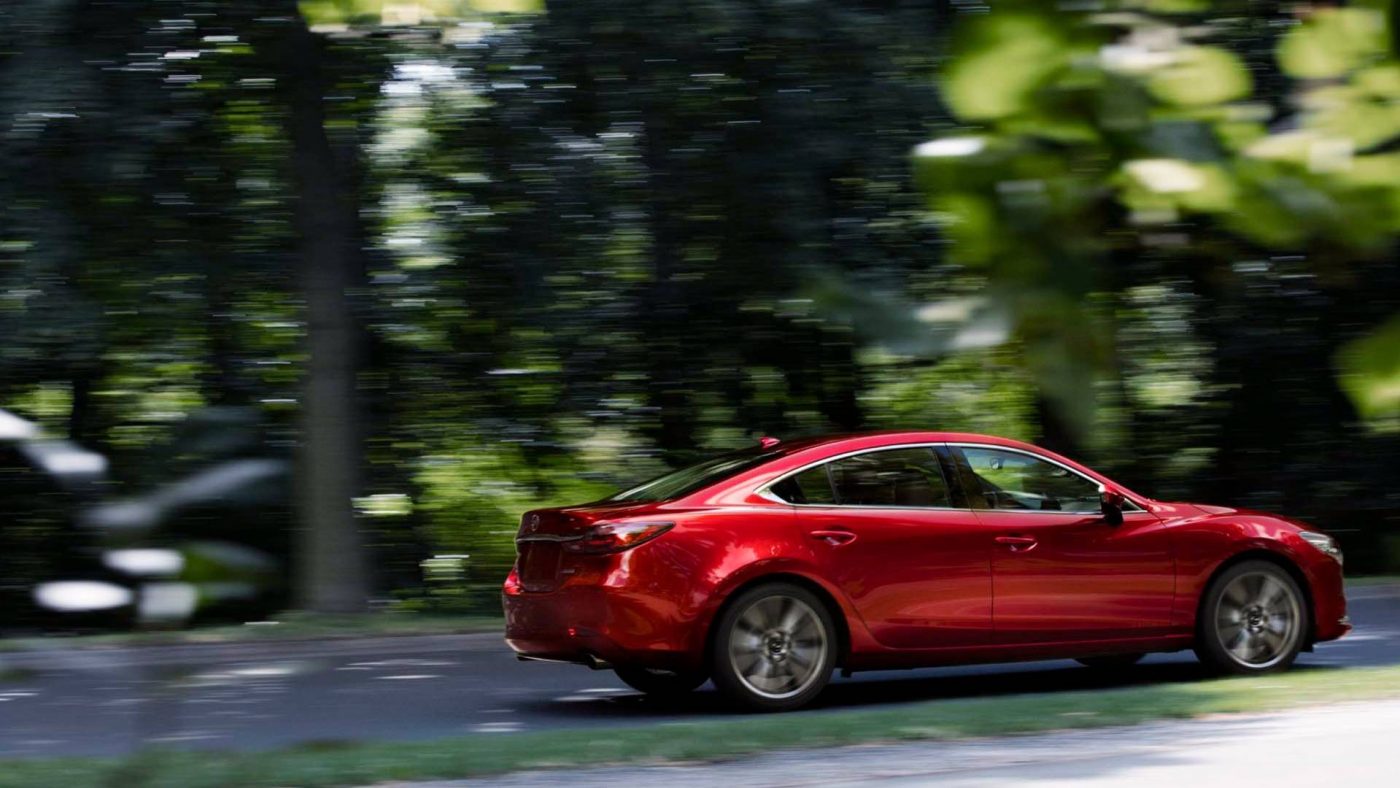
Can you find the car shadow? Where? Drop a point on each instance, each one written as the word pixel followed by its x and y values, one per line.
pixel 880 688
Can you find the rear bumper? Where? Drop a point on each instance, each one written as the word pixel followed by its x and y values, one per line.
pixel 589 625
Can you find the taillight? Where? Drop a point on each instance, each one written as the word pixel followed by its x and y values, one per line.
pixel 616 537
pixel 512 585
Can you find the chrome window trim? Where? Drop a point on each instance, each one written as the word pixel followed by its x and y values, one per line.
pixel 548 538
pixel 764 490
pixel 768 495
pixel 1043 458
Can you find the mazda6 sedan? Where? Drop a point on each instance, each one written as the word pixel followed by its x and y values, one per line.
pixel 767 569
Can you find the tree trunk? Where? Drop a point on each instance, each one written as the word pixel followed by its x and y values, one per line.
pixel 664 310
pixel 331 575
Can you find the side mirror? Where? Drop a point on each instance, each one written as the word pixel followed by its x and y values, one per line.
pixel 1111 502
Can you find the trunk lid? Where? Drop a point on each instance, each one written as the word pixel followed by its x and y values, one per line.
pixel 538 543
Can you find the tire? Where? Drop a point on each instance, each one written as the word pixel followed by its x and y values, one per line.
pixel 661 683
pixel 1253 619
pixel 1111 662
pixel 774 648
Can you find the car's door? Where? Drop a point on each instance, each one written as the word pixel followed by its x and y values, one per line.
pixel 1060 572
pixel 884 526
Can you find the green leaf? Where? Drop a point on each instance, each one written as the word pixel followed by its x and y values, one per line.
pixel 1201 75
pixel 1001 60
pixel 1369 372
pixel 1177 185
pixel 969 221
pixel 1344 113
pixel 1332 42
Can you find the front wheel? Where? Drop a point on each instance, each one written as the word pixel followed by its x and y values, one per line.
pixel 660 683
pixel 774 648
pixel 1253 620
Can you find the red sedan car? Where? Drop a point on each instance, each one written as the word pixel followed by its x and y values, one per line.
pixel 766 569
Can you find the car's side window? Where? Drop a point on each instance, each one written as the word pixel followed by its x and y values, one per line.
pixel 893 477
pixel 1016 481
pixel 896 477
pixel 812 486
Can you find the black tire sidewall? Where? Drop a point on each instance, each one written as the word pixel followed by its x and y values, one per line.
pixel 1208 646
pixel 733 686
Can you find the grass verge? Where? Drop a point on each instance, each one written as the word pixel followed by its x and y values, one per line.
pixel 288 627
pixel 1373 580
pixel 359 764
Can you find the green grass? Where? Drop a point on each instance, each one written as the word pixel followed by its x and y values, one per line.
pixel 1374 580
pixel 359 764
pixel 287 627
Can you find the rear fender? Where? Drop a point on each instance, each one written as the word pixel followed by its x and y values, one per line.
pixel 778 569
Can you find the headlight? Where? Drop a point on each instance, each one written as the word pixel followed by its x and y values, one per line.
pixel 1322 542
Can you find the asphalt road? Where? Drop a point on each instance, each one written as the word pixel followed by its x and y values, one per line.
pixel 1347 744
pixel 253 696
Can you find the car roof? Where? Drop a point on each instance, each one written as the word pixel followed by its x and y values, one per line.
pixel 858 440
pixel 791 454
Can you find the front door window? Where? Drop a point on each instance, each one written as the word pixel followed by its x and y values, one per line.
pixel 1012 480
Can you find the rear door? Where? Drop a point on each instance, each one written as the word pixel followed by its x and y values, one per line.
pixel 884 526
pixel 1060 573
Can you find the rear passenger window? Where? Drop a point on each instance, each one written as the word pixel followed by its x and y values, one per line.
pixel 896 477
pixel 812 486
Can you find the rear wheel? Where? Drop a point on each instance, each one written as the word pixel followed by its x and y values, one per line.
pixel 1253 620
pixel 774 648
pixel 661 683
pixel 1111 662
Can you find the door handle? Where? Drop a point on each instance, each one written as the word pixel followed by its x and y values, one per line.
pixel 1017 544
pixel 834 538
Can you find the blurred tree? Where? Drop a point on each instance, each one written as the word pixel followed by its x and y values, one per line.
pixel 473 256
pixel 1119 155
pixel 332 573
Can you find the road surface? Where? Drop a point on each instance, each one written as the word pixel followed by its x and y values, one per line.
pixel 1345 745
pixel 253 696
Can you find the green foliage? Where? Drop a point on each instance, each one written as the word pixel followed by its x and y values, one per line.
pixel 473 494
pixel 1136 238
pixel 1117 155
pixel 976 391
pixel 1332 42
pixel 418 12
pixel 1001 60
pixel 1370 374
pixel 1200 75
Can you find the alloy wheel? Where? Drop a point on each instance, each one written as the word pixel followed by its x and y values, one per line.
pixel 1258 620
pixel 778 646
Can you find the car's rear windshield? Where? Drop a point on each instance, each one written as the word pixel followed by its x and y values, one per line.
pixel 698 476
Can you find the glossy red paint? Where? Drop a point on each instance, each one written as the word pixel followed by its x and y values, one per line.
pixel 908 586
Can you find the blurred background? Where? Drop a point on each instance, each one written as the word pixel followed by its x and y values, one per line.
pixel 303 303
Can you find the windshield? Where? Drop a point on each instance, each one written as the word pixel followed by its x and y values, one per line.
pixel 689 479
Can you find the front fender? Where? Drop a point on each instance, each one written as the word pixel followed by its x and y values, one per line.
pixel 1207 546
